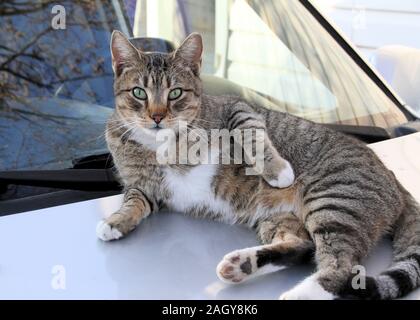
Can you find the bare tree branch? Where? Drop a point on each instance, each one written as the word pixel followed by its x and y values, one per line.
pixel 25 47
pixel 11 8
pixel 26 78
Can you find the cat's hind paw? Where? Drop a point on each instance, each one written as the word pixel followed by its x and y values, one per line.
pixel 234 267
pixel 308 289
pixel 106 232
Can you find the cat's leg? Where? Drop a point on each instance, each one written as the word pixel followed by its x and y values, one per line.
pixel 337 251
pixel 135 207
pixel 285 243
pixel 276 170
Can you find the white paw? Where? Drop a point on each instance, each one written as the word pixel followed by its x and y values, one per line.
pixel 106 233
pixel 285 178
pixel 235 266
pixel 308 289
pixel 240 265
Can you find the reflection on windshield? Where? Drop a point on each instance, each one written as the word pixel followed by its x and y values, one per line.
pixel 358 100
pixel 56 84
pixel 58 132
pixel 279 50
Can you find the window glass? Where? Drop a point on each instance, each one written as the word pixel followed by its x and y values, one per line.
pixel 279 50
pixel 56 82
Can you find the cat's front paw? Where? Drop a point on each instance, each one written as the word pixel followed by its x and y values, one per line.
pixel 116 226
pixel 282 179
pixel 107 232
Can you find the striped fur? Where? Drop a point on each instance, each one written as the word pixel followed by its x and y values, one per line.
pixel 341 203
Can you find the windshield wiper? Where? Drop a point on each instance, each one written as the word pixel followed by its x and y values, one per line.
pixel 90 173
pixel 74 179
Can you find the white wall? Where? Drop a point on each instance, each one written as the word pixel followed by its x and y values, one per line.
pixel 370 24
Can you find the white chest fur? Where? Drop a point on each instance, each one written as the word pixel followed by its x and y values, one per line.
pixel 193 189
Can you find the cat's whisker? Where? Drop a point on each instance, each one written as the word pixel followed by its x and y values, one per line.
pixel 111 130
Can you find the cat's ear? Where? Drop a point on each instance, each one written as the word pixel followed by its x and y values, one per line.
pixel 123 53
pixel 191 50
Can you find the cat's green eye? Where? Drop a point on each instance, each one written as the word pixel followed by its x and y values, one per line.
pixel 139 93
pixel 175 94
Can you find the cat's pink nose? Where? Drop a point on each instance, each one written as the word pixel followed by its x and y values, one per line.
pixel 157 117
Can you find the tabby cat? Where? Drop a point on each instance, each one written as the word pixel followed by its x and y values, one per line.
pixel 323 196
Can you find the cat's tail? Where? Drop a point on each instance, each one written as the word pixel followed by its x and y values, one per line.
pixel 403 276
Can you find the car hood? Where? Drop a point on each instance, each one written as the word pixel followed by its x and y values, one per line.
pixel 169 256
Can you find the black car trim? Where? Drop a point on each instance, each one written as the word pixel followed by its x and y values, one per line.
pixel 75 179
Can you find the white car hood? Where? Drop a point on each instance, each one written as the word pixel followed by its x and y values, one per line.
pixel 54 253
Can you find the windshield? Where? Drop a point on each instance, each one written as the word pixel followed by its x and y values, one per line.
pixel 56 78
pixel 278 49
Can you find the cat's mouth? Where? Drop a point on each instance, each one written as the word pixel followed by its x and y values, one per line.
pixel 156 127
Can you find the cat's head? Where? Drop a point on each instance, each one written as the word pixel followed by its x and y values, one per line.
pixel 156 90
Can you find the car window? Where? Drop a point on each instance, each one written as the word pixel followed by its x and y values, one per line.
pixel 278 49
pixel 56 82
